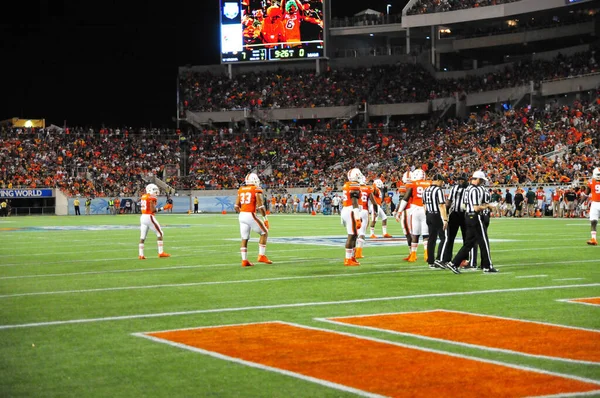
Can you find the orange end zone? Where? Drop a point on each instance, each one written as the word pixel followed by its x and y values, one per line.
pixel 492 332
pixel 368 365
pixel 589 300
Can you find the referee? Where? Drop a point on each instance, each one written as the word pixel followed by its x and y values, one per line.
pixel 436 217
pixel 485 221
pixel 456 218
pixel 474 200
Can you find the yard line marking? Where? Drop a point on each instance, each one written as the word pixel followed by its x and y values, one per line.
pixel 531 276
pixel 321 354
pixel 569 279
pixel 177 285
pixel 134 257
pixel 292 260
pixel 295 260
pixel 488 332
pixel 294 305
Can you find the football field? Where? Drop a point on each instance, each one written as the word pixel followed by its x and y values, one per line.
pixel 81 316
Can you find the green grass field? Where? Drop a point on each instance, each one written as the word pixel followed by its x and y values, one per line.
pixel 73 294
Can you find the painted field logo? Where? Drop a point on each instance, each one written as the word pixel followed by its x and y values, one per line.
pixel 367 366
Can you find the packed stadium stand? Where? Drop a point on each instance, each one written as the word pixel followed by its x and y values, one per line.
pixel 449 86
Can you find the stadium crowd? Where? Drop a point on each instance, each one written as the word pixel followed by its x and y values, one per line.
pixel 511 147
pixel 205 92
pixel 432 6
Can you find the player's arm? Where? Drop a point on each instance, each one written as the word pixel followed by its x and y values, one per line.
pixel 405 199
pixel 152 205
pixel 260 206
pixel 237 204
pixel 300 8
pixel 354 196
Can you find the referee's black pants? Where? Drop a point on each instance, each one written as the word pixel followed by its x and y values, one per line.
pixel 456 221
pixel 475 233
pixel 436 229
pixel 473 255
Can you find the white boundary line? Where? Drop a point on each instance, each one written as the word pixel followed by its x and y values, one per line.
pixel 573 301
pixel 294 305
pixel 361 337
pixel 461 344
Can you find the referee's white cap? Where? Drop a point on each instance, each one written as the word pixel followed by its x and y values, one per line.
pixel 480 174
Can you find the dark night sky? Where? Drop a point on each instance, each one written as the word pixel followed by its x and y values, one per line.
pixel 112 62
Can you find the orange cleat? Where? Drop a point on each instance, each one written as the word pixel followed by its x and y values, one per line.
pixel 387 236
pixel 407 257
pixel 373 236
pixel 464 263
pixel 351 262
pixel 358 253
pixel 264 259
pixel 592 242
pixel 141 258
pixel 412 258
pixel 425 256
pixel 246 263
pixel 164 255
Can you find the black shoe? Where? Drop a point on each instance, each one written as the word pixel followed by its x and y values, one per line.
pixel 490 270
pixel 433 266
pixel 450 265
pixel 439 264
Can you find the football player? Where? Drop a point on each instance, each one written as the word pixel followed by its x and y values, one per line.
pixel 149 222
pixel 365 202
pixel 592 190
pixel 376 211
pixel 418 224
pixel 351 214
pixel 249 201
pixel 402 216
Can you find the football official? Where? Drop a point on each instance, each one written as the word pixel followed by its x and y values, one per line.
pixel 485 218
pixel 475 204
pixel 436 217
pixel 456 217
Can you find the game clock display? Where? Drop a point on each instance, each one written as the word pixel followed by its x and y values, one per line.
pixel 256 30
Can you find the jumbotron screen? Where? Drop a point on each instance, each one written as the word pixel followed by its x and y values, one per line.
pixel 271 30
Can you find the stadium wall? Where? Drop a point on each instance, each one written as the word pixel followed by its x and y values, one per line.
pixel 226 200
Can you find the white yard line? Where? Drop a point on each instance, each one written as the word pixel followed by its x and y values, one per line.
pixel 294 305
pixel 178 285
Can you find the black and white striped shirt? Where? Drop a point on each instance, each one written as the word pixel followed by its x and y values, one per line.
pixel 473 196
pixel 487 199
pixel 456 196
pixel 432 198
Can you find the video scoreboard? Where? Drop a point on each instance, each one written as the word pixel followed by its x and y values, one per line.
pixel 260 31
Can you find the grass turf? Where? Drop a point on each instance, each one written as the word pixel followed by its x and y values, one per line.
pixel 72 293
